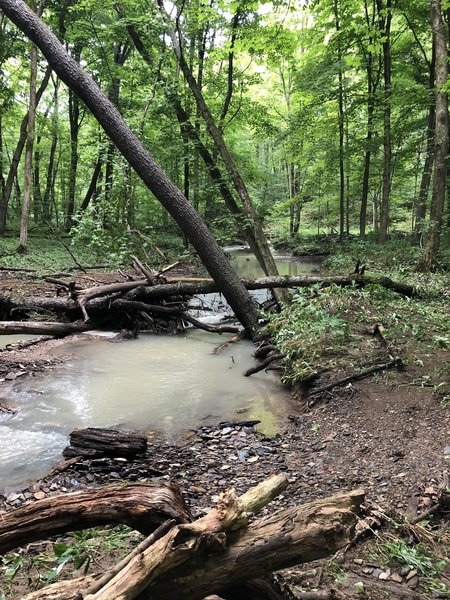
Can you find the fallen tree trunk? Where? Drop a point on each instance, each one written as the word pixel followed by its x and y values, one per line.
pixel 41 328
pixel 395 363
pixel 218 551
pixel 144 293
pixel 109 442
pixel 142 507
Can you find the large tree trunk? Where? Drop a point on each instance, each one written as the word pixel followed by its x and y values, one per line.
pixel 142 507
pixel 385 16
pixel 221 550
pixel 441 139
pixel 341 126
pixel 145 166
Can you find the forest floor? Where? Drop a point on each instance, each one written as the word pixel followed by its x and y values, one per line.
pixel 388 434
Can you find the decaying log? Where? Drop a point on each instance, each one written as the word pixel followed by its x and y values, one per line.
pixel 98 299
pixel 221 550
pixel 108 442
pixel 236 338
pixel 22 344
pixel 41 328
pixel 141 506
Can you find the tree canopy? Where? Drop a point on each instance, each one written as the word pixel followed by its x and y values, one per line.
pixel 292 117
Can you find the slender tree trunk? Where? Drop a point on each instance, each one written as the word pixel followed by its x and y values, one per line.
pixel 385 16
pixel 2 177
pixel 140 159
pixel 9 184
pixel 341 128
pixel 429 157
pixel 50 178
pixel 28 168
pixel 193 133
pixel 74 120
pixel 441 139
pixel 37 192
pixel 93 183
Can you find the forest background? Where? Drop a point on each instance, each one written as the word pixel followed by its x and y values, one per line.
pixel 327 110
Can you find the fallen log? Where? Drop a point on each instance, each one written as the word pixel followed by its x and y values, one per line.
pixel 395 363
pixel 211 328
pixel 91 301
pixel 41 328
pixel 22 344
pixel 141 506
pixel 270 359
pixel 220 550
pixel 108 442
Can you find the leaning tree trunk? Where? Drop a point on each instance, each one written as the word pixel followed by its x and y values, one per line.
pixel 140 159
pixel 264 255
pixel 441 139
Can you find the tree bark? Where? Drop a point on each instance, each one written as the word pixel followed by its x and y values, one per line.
pixel 441 139
pixel 41 328
pixel 372 85
pixel 145 166
pixel 429 155
pixel 142 507
pixel 28 168
pixel 109 442
pixel 341 125
pixel 385 17
pixel 219 551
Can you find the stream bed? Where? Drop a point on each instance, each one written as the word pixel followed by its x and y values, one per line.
pixel 161 383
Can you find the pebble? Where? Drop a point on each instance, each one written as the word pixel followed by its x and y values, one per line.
pixel 411 574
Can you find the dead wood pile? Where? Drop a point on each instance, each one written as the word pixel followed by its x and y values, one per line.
pixel 224 550
pixel 148 300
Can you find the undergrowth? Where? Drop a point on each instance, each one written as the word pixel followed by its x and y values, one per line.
pixel 329 327
pixel 77 552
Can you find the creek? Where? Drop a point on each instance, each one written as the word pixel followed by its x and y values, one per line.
pixel 160 383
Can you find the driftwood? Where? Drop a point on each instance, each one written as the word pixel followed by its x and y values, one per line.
pixel 22 344
pixel 41 328
pixel 220 550
pixel 209 327
pixel 270 359
pixel 107 442
pixel 142 507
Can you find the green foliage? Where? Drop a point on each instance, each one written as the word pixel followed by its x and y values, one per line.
pixel 424 557
pixel 313 327
pixel 78 551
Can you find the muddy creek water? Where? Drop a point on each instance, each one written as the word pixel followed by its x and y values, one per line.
pixel 165 384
